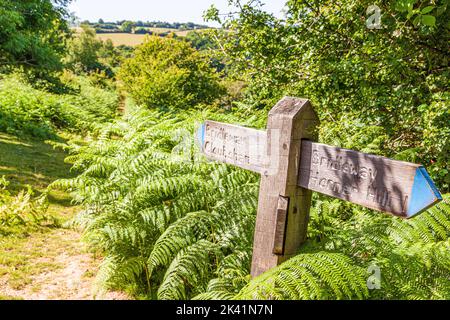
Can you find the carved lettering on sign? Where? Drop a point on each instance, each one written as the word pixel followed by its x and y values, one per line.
pixel 243 147
pixel 375 182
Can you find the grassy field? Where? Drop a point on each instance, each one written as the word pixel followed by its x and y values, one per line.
pixel 32 162
pixel 130 39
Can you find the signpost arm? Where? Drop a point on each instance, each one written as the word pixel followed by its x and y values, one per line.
pixel 280 232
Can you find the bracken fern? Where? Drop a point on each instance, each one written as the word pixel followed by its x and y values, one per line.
pixel 173 226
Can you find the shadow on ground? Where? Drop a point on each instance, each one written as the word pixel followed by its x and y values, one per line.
pixel 33 162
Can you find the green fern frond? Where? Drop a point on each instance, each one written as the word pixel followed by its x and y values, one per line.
pixel 188 271
pixel 321 275
pixel 430 226
pixel 180 234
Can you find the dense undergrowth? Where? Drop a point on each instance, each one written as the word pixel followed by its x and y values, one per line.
pixel 26 110
pixel 144 187
pixel 22 211
pixel 173 226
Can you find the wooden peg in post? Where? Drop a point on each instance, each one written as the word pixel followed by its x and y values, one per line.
pixel 279 233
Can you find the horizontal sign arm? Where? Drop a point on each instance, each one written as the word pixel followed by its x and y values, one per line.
pixel 397 187
pixel 243 147
pixel 401 188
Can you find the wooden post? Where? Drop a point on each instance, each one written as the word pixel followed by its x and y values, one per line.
pixel 283 207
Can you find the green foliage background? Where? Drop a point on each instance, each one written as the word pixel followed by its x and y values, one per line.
pixel 39 113
pixel 174 226
pixel 383 91
pixel 167 73
pixel 87 54
pixel 32 34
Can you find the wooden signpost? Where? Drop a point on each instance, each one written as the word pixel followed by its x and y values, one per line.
pixel 292 165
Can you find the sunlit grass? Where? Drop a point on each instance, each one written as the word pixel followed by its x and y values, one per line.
pixel 33 162
pixel 27 251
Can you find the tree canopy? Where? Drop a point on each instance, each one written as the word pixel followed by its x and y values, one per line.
pixel 165 72
pixel 32 33
pixel 381 90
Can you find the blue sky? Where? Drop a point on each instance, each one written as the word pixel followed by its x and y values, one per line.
pixel 151 10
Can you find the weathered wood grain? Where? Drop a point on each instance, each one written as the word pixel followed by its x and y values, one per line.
pixel 290 121
pixel 371 181
pixel 280 228
pixel 243 147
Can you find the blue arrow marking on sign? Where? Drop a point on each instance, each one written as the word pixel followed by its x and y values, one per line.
pixel 201 135
pixel 424 193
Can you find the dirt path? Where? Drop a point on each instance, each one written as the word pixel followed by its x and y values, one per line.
pixel 51 266
pixel 42 262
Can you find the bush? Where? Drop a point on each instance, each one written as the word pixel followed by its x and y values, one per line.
pixel 165 73
pixel 30 111
pixel 142 31
pixel 26 110
pixel 89 105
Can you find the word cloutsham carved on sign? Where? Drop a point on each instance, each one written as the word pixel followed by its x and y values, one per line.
pixel 292 165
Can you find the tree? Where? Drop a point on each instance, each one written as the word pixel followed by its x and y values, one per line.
pixel 101 21
pixel 32 33
pixel 141 30
pixel 166 73
pixel 127 26
pixel 382 90
pixel 82 52
pixel 201 40
pixel 86 53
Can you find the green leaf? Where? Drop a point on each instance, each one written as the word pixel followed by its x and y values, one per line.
pixel 405 5
pixel 416 20
pixel 429 20
pixel 427 9
pixel 411 13
pixel 440 10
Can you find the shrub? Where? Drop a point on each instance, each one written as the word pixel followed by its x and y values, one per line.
pixel 22 210
pixel 27 110
pixel 166 72
pixel 24 109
